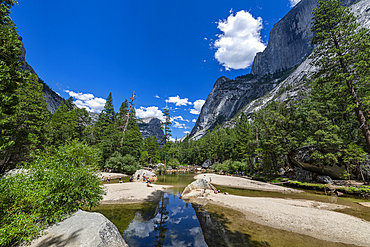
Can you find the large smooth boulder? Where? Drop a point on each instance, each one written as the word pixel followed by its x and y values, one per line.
pixel 148 174
pixel 80 230
pixel 206 164
pixel 199 184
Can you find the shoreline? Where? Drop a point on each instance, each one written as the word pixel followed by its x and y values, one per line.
pixel 307 217
pixel 244 183
pixel 131 192
pixel 304 217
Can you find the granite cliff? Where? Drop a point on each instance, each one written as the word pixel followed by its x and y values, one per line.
pixel 288 47
pixel 228 97
pixel 53 99
pixel 289 40
pixel 150 127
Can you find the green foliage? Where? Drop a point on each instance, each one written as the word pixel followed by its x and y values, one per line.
pixel 62 126
pixel 132 142
pixel 167 131
pixel 107 115
pixel 11 76
pixel 232 167
pixel 174 163
pixel 151 147
pixel 29 122
pixel 51 187
pixel 342 58
pixel 353 157
pixel 126 164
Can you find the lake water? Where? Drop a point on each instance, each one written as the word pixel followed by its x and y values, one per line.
pixel 172 221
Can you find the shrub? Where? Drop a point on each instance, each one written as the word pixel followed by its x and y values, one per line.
pixel 126 164
pixel 48 189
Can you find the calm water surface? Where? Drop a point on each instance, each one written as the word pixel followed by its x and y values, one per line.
pixel 170 221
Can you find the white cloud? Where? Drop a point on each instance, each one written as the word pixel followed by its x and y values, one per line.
pixel 151 111
pixel 178 125
pixel 87 101
pixel 240 40
pixel 294 2
pixel 178 101
pixel 205 39
pixel 156 96
pixel 197 106
pixel 195 112
pixel 187 132
pixel 179 118
pixel 194 120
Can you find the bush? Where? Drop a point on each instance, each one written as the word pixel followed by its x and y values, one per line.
pixel 174 163
pixel 48 189
pixel 231 166
pixel 126 164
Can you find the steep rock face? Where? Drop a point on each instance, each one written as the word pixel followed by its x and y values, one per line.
pixel 295 83
pixel 53 100
pixel 289 40
pixel 228 97
pixel 218 101
pixel 150 127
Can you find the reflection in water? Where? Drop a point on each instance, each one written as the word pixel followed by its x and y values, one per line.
pixel 170 221
pixel 160 226
pixel 175 224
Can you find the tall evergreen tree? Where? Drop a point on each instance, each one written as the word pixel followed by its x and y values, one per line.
pixel 10 77
pixel 29 121
pixel 342 57
pixel 62 126
pixel 167 131
pixel 107 115
pixel 243 142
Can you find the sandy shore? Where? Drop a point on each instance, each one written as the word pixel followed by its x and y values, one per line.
pixel 312 218
pixel 131 192
pixel 112 175
pixel 244 183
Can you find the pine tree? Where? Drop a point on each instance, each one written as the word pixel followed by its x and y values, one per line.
pixel 10 77
pixel 167 131
pixel 29 121
pixel 244 140
pixel 121 116
pixel 151 146
pixel 107 115
pixel 342 57
pixel 62 126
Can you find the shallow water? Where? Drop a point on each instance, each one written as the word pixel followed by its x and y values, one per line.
pixel 173 222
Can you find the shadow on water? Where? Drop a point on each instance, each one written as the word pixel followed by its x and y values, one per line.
pixel 170 221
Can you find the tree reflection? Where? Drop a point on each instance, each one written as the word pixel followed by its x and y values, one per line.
pixel 161 226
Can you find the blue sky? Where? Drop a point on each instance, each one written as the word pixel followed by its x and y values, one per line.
pixel 170 52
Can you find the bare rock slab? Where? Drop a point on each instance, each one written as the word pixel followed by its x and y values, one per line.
pixel 82 229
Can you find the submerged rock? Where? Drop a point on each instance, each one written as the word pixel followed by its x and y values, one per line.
pixel 82 229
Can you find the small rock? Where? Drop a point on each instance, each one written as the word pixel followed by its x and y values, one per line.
pixel 339 193
pixel 324 179
pixel 365 204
